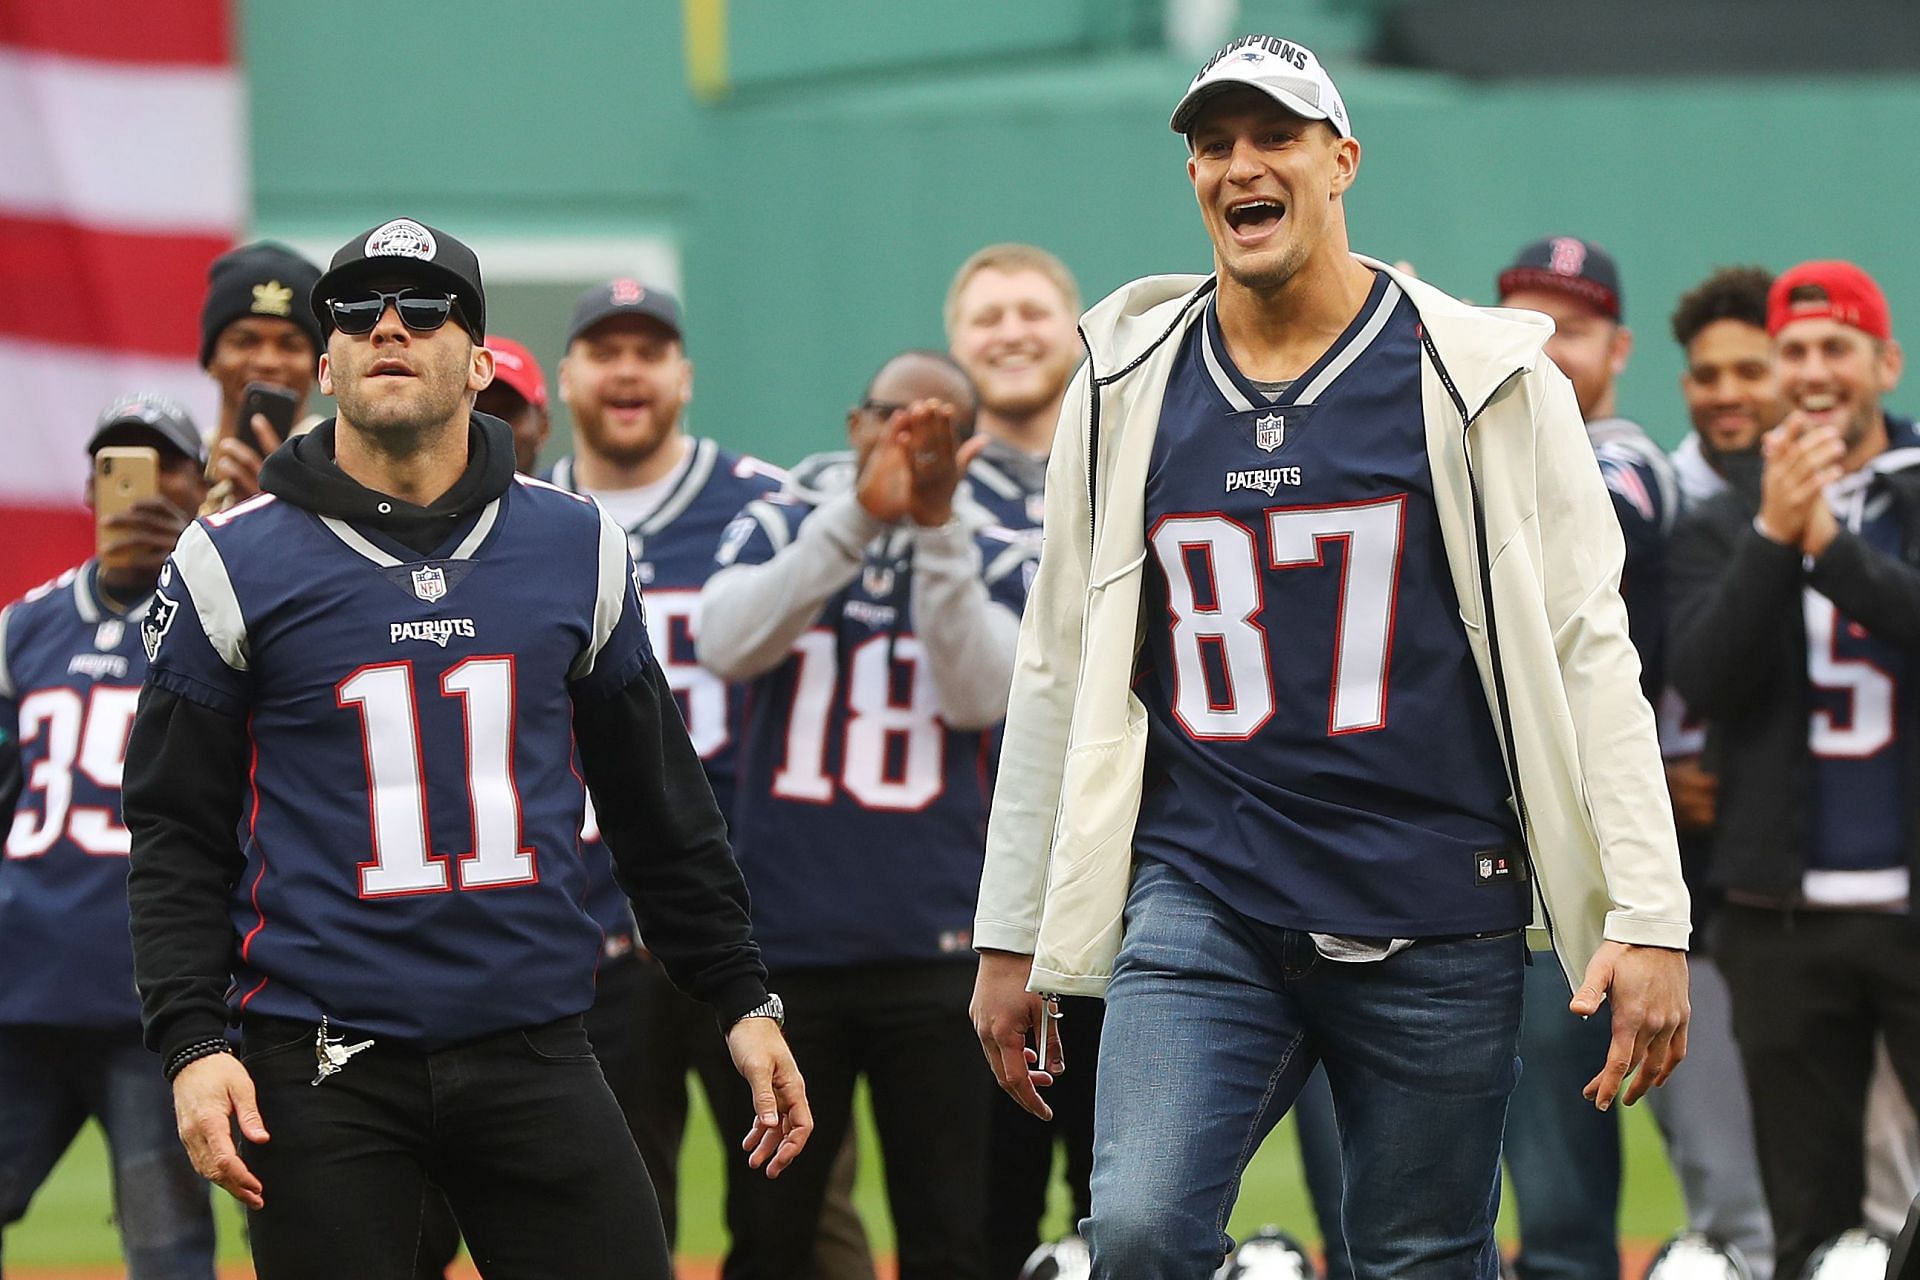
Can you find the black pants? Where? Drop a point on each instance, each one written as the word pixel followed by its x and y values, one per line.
pixel 1811 990
pixel 906 1029
pixel 1020 1146
pixel 519 1130
pixel 648 1034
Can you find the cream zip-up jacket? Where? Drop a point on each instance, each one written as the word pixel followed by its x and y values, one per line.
pixel 1535 553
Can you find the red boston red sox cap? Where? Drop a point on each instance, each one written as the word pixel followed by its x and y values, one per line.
pixel 515 366
pixel 1829 290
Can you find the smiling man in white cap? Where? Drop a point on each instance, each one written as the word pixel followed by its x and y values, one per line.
pixel 1314 710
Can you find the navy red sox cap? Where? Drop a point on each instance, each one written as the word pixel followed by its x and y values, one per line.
pixel 623 297
pixel 408 249
pixel 1564 264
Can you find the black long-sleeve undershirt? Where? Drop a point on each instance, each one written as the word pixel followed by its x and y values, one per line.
pixel 185 783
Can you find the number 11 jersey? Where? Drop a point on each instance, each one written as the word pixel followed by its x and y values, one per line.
pixel 412 810
pixel 1320 750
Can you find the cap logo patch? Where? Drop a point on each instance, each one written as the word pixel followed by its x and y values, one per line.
pixel 402 238
pixel 624 293
pixel 272 299
pixel 1257 48
pixel 1568 256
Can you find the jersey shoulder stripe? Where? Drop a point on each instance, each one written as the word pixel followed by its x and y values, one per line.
pixel 615 575
pixel 200 566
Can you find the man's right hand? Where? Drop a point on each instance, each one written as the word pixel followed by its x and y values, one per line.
pixel 1695 793
pixel 1005 1013
pixel 208 1095
pixel 237 462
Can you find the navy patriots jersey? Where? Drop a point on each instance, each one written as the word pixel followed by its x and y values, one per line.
pixel 412 818
pixel 70 672
pixel 673 554
pixel 1010 488
pixel 1646 500
pixel 1862 724
pixel 1320 753
pixel 860 820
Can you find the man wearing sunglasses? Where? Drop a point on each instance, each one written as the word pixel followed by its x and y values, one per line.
pixel 375 673
pixel 874 607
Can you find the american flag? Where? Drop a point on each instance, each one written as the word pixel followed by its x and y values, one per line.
pixel 122 175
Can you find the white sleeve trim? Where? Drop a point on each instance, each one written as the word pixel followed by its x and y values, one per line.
pixel 611 596
pixel 205 573
pixel 6 672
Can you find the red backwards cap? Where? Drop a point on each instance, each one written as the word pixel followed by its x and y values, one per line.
pixel 1848 295
pixel 514 365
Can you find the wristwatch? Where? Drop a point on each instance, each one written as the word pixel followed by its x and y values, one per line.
pixel 773 1008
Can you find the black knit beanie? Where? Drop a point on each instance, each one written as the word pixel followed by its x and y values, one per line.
pixel 259 279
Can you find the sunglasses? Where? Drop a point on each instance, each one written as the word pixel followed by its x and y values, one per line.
pixel 422 313
pixel 880 408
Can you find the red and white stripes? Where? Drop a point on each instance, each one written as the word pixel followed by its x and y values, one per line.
pixel 123 176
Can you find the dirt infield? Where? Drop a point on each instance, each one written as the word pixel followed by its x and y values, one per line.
pixel 1634 1256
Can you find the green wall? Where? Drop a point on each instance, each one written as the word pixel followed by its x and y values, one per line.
pixel 864 149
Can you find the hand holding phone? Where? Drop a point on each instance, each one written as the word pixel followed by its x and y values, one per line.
pixel 123 475
pixel 276 405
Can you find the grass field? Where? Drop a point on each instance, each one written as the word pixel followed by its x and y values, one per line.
pixel 69 1227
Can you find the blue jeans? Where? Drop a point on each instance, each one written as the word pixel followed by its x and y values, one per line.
pixel 51 1080
pixel 1563 1154
pixel 1214 1022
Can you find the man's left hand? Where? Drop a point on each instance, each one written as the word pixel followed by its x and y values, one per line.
pixel 782 1121
pixel 1648 987
pixel 924 432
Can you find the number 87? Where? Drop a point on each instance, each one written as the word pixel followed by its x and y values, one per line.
pixel 1228 625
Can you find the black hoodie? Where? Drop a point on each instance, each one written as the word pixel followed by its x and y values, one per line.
pixel 657 814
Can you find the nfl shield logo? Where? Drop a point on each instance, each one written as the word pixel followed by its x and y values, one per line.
pixel 1270 432
pixel 430 583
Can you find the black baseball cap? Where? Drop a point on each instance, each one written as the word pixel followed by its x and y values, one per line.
pixel 1565 264
pixel 403 247
pixel 130 418
pixel 623 297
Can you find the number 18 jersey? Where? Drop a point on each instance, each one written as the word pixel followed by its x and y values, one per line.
pixel 1320 751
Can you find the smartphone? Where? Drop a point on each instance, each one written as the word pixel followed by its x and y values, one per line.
pixel 122 476
pixel 277 404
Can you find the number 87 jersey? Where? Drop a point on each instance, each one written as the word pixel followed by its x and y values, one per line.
pixel 411 817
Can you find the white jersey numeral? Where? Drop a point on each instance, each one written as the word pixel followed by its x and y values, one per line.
pixel 1868 725
pixel 1215 595
pixel 90 735
pixel 893 757
pixel 675 616
pixel 403 861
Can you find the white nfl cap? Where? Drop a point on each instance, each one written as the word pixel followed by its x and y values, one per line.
pixel 1286 72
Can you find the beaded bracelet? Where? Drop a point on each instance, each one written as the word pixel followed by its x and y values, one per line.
pixel 194 1052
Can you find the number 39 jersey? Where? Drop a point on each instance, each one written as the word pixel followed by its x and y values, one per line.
pixel 70 672
pixel 412 809
pixel 860 822
pixel 1320 751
